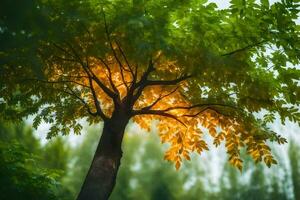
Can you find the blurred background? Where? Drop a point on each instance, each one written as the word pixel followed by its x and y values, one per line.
pixel 34 168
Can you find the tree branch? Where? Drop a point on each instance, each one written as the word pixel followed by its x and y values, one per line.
pixel 109 75
pixel 91 74
pixel 141 84
pixel 88 71
pixel 158 99
pixel 250 46
pixel 85 104
pixel 145 75
pixel 125 58
pixel 201 105
pixel 168 82
pixel 198 113
pixel 96 101
pixel 65 59
pixel 62 49
pixel 144 82
pixel 114 52
pixel 156 112
pixel 70 76
pixel 56 82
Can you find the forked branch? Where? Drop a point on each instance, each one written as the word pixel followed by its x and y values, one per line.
pixel 114 87
pixel 146 83
pixel 92 75
pixel 126 60
pixel 157 112
pixel 159 99
pixel 96 101
pixel 122 68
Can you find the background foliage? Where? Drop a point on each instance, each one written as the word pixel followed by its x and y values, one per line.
pixel 243 56
pixel 27 172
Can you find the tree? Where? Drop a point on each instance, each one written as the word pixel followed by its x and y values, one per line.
pixel 180 64
pixel 142 168
pixel 22 175
pixel 56 154
pixel 294 163
pixel 20 133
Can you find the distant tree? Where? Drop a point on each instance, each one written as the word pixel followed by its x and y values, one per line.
pixel 257 188
pixel 230 184
pixel 194 181
pixel 277 192
pixel 260 185
pixel 181 63
pixel 25 159
pixel 21 134
pixel 53 155
pixel 22 175
pixel 294 155
pixel 22 178
pixel 56 154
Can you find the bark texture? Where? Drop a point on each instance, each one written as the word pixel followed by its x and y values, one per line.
pixel 101 177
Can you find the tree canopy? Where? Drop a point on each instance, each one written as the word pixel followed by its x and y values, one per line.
pixel 185 65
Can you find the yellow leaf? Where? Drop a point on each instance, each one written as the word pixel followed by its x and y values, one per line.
pixel 177 165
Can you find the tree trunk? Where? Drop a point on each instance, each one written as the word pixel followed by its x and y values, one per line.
pixel 101 177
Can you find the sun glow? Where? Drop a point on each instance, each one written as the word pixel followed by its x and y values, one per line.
pixel 148 96
pixel 178 122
